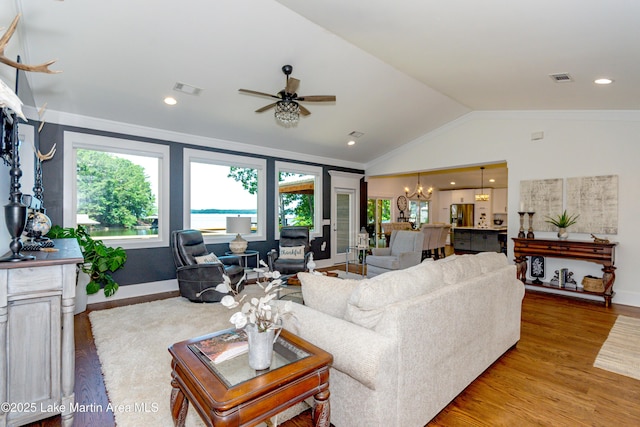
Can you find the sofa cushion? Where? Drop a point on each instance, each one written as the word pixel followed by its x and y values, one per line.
pixel 491 261
pixel 369 299
pixel 459 268
pixel 326 294
pixel 210 258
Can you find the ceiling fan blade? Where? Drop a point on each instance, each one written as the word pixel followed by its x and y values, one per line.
pixel 253 92
pixel 317 98
pixel 292 85
pixel 304 111
pixel 266 107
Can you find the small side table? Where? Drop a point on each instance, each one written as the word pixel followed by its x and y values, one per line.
pixel 244 258
pixel 358 251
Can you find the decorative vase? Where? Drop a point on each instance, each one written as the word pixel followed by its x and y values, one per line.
pixel 260 347
pixel 563 233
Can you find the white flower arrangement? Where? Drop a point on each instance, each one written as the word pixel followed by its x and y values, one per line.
pixel 258 311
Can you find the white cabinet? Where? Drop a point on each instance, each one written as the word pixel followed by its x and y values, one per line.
pixel 463 196
pixel 37 351
pixel 444 203
pixel 500 203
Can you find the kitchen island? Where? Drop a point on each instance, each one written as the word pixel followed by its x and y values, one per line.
pixel 471 240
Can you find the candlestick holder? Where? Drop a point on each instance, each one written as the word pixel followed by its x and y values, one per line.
pixel 530 234
pixel 521 234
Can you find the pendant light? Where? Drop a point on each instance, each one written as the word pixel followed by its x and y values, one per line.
pixel 482 197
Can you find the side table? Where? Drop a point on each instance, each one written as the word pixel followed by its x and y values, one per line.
pixel 232 394
pixel 244 258
pixel 359 251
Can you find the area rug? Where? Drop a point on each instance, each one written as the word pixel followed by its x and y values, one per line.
pixel 132 343
pixel 620 353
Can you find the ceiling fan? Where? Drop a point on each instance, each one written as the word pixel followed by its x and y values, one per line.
pixel 287 108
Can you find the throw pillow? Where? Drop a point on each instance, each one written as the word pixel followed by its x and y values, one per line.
pixel 326 294
pixel 291 252
pixel 370 298
pixel 207 259
pixel 460 268
pixel 491 261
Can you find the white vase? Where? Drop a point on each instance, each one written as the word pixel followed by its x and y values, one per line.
pixel 563 233
pixel 260 347
pixel 81 292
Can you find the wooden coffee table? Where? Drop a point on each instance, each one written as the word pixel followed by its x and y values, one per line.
pixel 233 394
pixel 294 281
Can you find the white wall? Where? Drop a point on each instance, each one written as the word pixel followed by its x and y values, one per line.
pixel 575 144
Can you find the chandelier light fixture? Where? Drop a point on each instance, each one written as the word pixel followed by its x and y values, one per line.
pixel 482 197
pixel 418 192
pixel 287 113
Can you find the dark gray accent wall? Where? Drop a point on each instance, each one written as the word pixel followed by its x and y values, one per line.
pixel 156 264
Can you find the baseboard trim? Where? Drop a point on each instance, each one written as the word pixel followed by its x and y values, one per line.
pixel 137 290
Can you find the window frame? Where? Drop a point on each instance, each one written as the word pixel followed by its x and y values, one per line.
pixel 300 168
pixel 72 141
pixel 222 159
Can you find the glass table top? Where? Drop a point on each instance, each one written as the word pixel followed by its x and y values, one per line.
pixel 237 370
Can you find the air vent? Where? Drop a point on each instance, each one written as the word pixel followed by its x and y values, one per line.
pixel 188 89
pixel 561 77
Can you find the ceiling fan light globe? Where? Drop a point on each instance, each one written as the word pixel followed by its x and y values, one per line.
pixel 287 113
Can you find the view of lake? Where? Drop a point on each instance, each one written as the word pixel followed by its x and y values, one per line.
pixel 213 221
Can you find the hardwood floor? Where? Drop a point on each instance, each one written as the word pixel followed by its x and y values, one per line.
pixel 548 379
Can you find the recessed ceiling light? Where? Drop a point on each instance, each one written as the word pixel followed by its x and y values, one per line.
pixel 352 142
pixel 492 180
pixel 170 100
pixel 452 183
pixel 603 81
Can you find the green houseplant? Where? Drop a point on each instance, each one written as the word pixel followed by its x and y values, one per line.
pixel 100 260
pixel 563 222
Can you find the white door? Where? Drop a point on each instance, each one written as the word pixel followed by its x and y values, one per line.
pixel 345 193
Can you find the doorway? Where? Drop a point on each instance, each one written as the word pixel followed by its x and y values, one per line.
pixel 345 192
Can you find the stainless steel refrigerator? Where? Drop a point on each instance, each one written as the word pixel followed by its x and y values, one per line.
pixel 462 214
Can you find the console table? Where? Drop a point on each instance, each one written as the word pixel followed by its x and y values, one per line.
pixel 582 250
pixel 37 351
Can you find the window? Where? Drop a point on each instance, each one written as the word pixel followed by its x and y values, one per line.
pixel 217 186
pixel 299 197
pixel 119 189
pixel 418 212
pixel 378 213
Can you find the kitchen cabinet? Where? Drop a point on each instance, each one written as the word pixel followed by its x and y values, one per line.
pixel 500 203
pixel 37 351
pixel 444 203
pixel 474 240
pixel 463 196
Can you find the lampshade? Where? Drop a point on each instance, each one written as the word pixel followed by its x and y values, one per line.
pixel 238 225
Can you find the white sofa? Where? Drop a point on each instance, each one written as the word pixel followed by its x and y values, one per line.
pixel 406 343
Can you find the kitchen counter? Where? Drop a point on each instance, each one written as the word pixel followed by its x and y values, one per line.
pixel 475 239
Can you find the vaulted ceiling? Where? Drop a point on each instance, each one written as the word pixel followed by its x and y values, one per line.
pixel 398 69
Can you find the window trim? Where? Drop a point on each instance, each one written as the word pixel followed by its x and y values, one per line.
pixel 317 194
pixel 73 141
pixel 223 159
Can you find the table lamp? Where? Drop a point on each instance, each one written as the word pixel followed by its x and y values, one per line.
pixel 238 225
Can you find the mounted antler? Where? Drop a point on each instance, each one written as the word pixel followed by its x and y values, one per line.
pixel 40 68
pixel 45 157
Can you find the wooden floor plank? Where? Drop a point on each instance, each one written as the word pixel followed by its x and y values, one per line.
pixel 547 379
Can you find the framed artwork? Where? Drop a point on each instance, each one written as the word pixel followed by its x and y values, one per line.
pixel 536 269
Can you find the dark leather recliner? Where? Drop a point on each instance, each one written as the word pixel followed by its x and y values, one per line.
pixel 197 282
pixel 291 237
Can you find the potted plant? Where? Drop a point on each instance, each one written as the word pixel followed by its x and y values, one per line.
pixel 563 222
pixel 100 260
